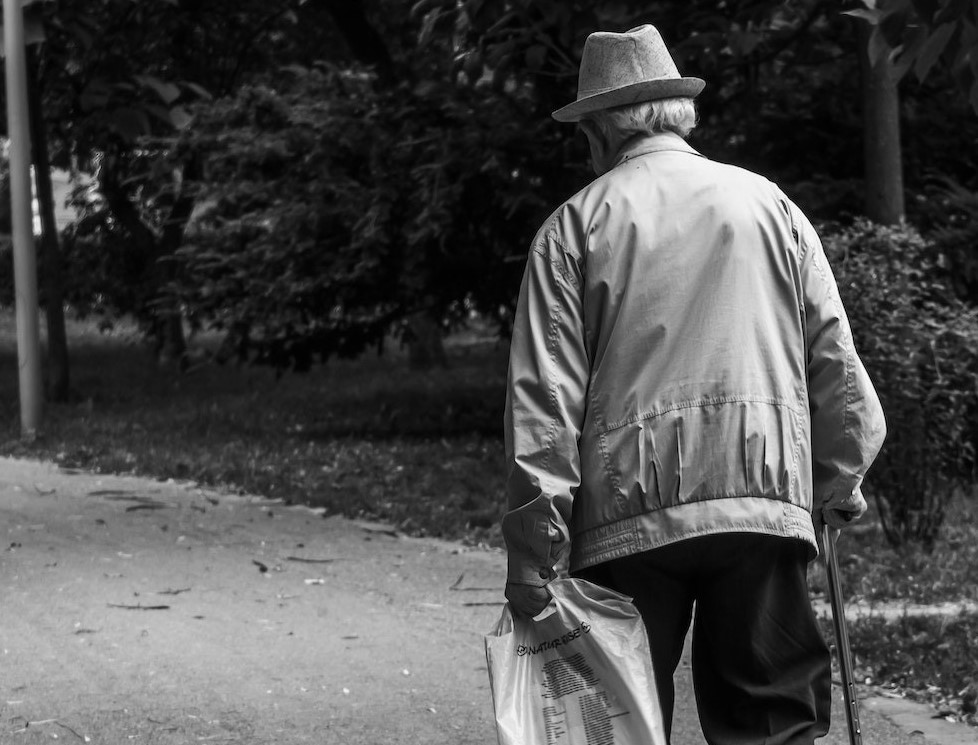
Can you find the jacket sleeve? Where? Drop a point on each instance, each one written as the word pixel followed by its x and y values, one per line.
pixel 545 404
pixel 848 427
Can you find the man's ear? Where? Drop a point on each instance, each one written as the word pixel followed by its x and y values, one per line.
pixel 591 131
pixel 600 155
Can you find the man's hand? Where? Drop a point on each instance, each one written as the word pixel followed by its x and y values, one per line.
pixel 840 512
pixel 527 600
pixel 839 519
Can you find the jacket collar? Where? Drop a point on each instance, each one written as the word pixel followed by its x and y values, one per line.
pixel 656 143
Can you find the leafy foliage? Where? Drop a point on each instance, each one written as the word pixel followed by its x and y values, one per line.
pixel 920 345
pixel 920 34
pixel 335 209
pixel 782 94
pixel 950 220
pixel 446 174
pixel 117 79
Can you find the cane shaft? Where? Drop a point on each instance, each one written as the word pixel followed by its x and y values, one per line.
pixel 841 636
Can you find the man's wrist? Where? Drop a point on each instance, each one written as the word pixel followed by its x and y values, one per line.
pixel 528 571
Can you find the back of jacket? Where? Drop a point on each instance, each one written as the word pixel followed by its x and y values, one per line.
pixel 681 366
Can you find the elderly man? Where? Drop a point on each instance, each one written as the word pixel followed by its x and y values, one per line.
pixel 685 407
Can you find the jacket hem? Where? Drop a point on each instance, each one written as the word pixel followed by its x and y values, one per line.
pixel 672 524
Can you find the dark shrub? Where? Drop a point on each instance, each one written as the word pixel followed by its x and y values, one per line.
pixel 952 226
pixel 920 345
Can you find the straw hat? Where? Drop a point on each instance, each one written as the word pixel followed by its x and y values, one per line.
pixel 618 69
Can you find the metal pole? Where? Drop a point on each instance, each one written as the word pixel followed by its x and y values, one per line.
pixel 22 218
pixel 841 635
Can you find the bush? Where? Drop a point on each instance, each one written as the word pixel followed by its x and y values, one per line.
pixel 339 210
pixel 920 345
pixel 954 232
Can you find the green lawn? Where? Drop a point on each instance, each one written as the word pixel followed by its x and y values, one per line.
pixel 423 451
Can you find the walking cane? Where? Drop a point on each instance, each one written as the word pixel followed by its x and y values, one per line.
pixel 841 635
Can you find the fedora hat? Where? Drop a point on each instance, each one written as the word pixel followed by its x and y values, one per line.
pixel 618 69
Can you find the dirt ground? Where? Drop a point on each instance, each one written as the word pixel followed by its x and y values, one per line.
pixel 135 611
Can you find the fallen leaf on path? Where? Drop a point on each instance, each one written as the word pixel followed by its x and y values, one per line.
pixel 139 606
pixel 456 586
pixel 138 498
pixel 147 506
pixel 261 567
pixel 382 529
pixel 83 738
pixel 36 723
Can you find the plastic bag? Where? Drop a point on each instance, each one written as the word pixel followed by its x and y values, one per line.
pixel 580 673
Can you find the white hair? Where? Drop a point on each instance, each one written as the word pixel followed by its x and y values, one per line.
pixel 648 117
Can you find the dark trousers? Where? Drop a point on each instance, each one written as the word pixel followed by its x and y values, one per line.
pixel 761 669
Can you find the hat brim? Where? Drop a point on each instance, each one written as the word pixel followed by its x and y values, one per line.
pixel 646 90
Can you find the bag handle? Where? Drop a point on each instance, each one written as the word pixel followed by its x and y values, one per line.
pixel 582 593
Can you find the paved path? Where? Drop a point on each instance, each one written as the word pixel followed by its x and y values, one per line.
pixel 135 611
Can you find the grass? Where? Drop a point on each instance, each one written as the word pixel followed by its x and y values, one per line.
pixel 874 572
pixel 931 659
pixel 372 438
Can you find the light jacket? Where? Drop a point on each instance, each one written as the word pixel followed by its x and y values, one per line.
pixel 681 365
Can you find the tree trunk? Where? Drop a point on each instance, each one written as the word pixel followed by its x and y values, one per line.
pixel 883 164
pixel 426 346
pixel 173 343
pixel 166 323
pixel 58 377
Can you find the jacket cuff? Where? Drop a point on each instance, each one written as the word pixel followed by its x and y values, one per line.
pixel 536 537
pixel 526 569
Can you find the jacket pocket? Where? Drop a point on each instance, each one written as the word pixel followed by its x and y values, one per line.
pixel 701 450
